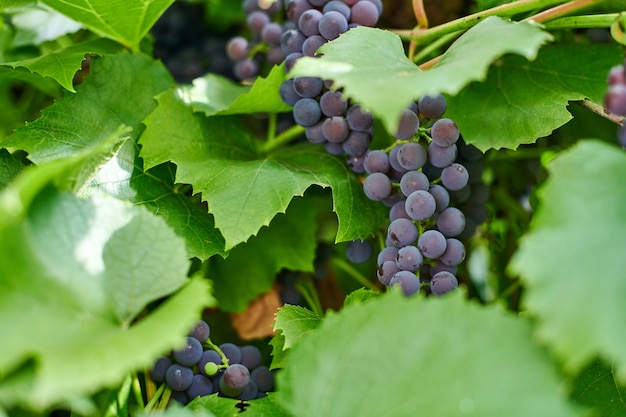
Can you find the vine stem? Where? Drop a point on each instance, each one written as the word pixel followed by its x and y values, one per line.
pixel 576 22
pixel 561 10
pixel 155 398
pixel 599 110
pixel 285 137
pixel 216 348
pixel 307 289
pixel 354 273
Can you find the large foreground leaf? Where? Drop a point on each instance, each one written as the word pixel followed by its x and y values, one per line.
pixel 370 65
pixel 572 261
pixel 394 356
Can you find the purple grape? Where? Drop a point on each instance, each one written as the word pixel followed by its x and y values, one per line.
pixel 358 251
pixel 333 148
pixel 408 124
pixel 314 133
pixel 355 163
pixel 411 156
pixel 438 267
pixel 420 205
pixel 432 244
pixel 617 75
pixel 201 331
pixel 312 44
pixel 335 129
pixel 290 60
pixel 413 181
pixel 356 143
pixel 376 161
pixel 236 376
pixel 249 392
pixel 307 87
pixel 309 21
pixel 271 34
pixel 190 354
pixel 402 232
pixel 395 164
pixel 257 20
pixel 386 271
pixel 454 177
pixel 200 386
pixel 364 13
pixel 443 282
pixel 157 373
pixel 306 112
pixel 337 6
pixel 358 119
pixel 441 156
pixel 295 8
pixel 451 221
pixel 389 253
pixel 432 106
pixel 398 211
pixel 333 103
pixel 250 356
pixel 407 281
pixel 409 258
pixel 287 92
pixel 292 41
pixel 615 99
pixel 178 377
pixel 246 69
pixel 444 132
pixel 441 196
pixel 275 56
pixel 232 352
pixel 377 186
pixel 454 254
pixel 237 48
pixel 332 24
pixel 264 378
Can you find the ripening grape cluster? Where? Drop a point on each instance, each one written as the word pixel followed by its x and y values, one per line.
pixel 197 369
pixel 615 98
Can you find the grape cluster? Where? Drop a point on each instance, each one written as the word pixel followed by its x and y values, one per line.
pixel 615 98
pixel 198 369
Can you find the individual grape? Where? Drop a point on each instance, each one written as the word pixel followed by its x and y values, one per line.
pixel 257 20
pixel 236 376
pixel 409 258
pixel 441 196
pixel 377 186
pixel 615 99
pixel 355 163
pixel 407 281
pixel 226 390
pixel 306 112
pixel 358 119
pixel 178 377
pixel 413 181
pixel 358 251
pixel 333 148
pixel 335 129
pixel 356 143
pixel 432 106
pixel 157 373
pixel 309 21
pixel 290 60
pixel 232 352
pixel 190 354
pixel 308 87
pixel 264 378
pixel 443 282
pixel 386 271
pixel 271 34
pixel 180 397
pixel 201 331
pixel 312 44
pixel 454 177
pixel 209 356
pixel 314 133
pixel 451 221
pixel 376 161
pixel 438 267
pixel 617 75
pixel 292 41
pixel 200 386
pixel 287 92
pixel 378 4
pixel 398 211
pixel 454 254
pixel 250 356
pixel 408 124
pixel 395 164
pixel 237 48
pixel 411 155
pixel 444 132
pixel 332 24
pixel 249 392
pixel 402 232
pixel 337 6
pixel 441 156
pixel 332 103
pixel 246 69
pixel 420 205
pixel 389 253
pixel 295 8
pixel 364 13
pixel 275 56
pixel 432 244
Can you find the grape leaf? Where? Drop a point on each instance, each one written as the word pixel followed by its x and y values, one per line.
pixel 228 407
pixel 37 24
pixel 360 296
pixel 279 353
pixel 370 65
pixel 122 21
pixel 597 387
pixel 294 323
pixel 213 94
pixel 9 167
pixel 575 235
pixel 61 65
pixel 250 269
pixel 87 118
pixel 358 364
pixel 527 100
pixel 244 188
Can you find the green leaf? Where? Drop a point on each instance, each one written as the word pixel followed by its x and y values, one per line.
pixel 250 268
pixel 122 21
pixel 218 406
pixel 370 65
pixel 98 109
pixel 360 296
pixel 213 94
pixel 572 254
pixel 37 24
pixel 9 168
pixel 295 322
pixel 521 101
pixel 597 387
pixel 389 356
pixel 279 353
pixel 244 188
pixel 61 65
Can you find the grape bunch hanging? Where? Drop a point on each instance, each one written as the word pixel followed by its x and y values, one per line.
pixel 423 178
